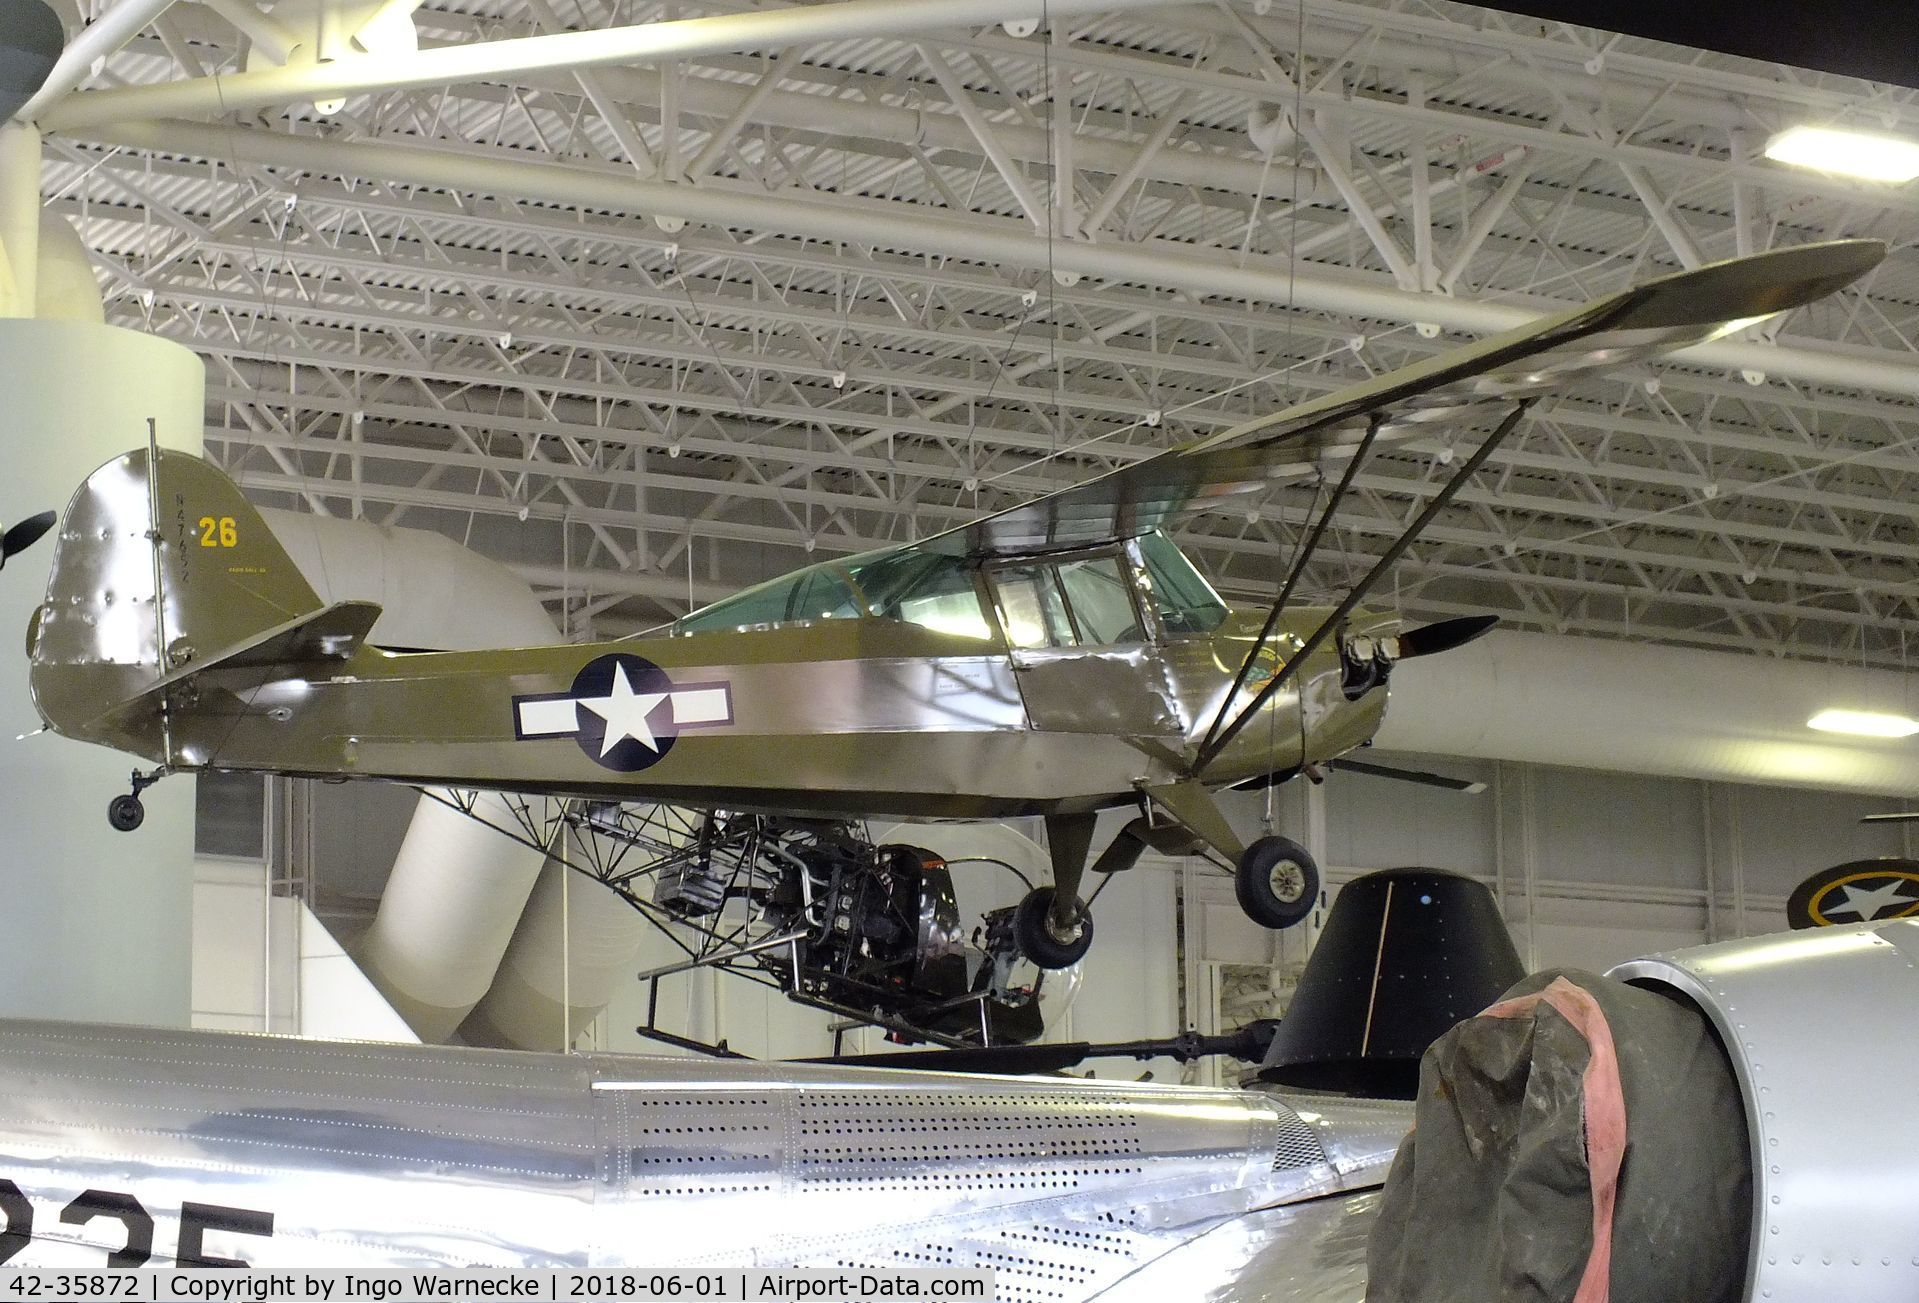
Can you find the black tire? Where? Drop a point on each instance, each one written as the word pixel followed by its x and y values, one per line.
pixel 1033 929
pixel 126 813
pixel 1277 882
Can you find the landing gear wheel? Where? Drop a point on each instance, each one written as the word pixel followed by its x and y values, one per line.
pixel 126 813
pixel 1277 882
pixel 1040 942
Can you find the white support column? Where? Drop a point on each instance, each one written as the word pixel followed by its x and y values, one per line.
pixel 1516 853
pixel 98 923
pixel 1059 103
pixel 1739 141
pixel 1708 840
pixel 20 218
pixel 1422 196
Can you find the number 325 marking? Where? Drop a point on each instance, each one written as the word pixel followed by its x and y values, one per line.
pixel 218 533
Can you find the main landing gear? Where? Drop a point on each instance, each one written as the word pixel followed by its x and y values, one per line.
pixel 1277 882
pixel 1044 942
pixel 126 813
pixel 1051 924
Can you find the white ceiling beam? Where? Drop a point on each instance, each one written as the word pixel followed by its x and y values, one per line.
pixel 993 241
pixel 568 51
pixel 92 44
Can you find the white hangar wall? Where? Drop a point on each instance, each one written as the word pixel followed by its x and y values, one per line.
pixel 1590 867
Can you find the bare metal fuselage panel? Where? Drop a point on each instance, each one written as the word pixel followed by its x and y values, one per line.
pixel 278 1152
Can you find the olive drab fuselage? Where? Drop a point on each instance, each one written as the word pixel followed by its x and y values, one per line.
pixel 829 717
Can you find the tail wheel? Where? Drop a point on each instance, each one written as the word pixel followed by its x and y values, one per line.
pixel 1277 882
pixel 126 813
pixel 1042 942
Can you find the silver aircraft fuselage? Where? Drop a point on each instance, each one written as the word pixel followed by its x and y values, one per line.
pixel 133 1147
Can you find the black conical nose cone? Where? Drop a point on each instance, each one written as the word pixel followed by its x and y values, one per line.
pixel 1406 953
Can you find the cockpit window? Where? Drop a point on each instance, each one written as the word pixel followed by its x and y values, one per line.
pixel 1031 606
pixel 1100 592
pixel 1185 601
pixel 905 584
pixel 1084 601
pixel 818 592
pixel 923 588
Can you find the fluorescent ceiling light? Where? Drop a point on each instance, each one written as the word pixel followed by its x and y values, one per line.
pixel 1864 723
pixel 1847 153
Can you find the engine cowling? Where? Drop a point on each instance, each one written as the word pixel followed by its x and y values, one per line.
pixel 1817 1025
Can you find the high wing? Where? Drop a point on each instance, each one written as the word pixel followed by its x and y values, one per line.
pixel 1456 388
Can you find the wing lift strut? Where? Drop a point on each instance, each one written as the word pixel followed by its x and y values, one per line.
pixel 1056 915
pixel 1227 725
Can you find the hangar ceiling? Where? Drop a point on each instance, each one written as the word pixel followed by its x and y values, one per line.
pixel 652 329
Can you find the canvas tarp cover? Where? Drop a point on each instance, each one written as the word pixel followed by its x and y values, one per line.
pixel 1582 1141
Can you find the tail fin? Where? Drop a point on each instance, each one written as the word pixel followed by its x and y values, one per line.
pixel 140 597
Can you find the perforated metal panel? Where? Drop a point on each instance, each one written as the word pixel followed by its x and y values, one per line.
pixel 952 1140
pixel 678 1144
pixel 1298 1145
pixel 417 1156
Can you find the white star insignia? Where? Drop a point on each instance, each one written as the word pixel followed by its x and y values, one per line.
pixel 625 712
pixel 1864 903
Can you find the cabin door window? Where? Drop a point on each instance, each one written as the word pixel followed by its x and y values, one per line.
pixel 1080 649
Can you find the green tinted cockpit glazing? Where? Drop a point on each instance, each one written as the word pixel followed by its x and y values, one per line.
pixel 923 588
pixel 905 584
pixel 1185 601
pixel 819 592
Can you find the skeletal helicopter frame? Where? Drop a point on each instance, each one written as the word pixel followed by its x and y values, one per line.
pixel 626 846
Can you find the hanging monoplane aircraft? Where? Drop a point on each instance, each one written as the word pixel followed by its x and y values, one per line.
pixel 1057 659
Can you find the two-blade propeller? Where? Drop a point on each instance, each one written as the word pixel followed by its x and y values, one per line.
pixel 24 535
pixel 1444 635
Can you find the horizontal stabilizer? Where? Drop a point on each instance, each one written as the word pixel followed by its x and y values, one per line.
pixel 332 633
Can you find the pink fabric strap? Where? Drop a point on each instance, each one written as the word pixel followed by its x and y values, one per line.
pixel 1605 1117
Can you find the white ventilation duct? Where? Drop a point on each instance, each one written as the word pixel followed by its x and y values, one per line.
pixel 457 888
pixel 436 594
pixel 575 941
pixel 67 288
pixel 1599 704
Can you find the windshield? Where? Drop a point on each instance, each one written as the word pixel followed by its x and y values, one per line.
pixel 1185 601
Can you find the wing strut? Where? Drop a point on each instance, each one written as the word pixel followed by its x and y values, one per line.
pixel 1218 737
pixel 1292 580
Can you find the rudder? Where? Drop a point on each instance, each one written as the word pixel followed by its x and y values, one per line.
pixel 101 638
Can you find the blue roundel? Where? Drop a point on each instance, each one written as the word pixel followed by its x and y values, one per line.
pixel 624 705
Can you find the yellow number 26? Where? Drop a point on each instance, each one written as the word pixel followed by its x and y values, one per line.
pixel 218 533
